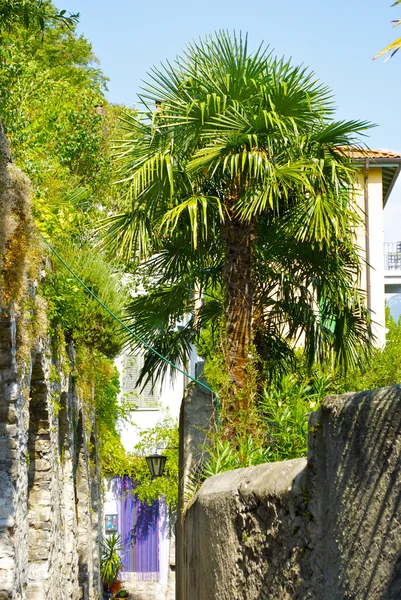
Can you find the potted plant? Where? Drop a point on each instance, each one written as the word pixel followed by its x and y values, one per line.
pixel 110 562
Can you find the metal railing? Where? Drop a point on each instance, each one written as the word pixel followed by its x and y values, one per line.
pixel 392 256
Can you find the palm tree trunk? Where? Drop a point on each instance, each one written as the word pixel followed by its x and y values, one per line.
pixel 238 289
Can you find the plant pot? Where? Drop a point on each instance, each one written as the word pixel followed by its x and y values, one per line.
pixel 115 586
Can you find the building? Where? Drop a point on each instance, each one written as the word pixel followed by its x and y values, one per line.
pixel 147 532
pixel 379 170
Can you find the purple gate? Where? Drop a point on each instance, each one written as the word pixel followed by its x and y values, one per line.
pixel 139 527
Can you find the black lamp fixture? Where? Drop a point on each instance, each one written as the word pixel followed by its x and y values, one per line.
pixel 156 464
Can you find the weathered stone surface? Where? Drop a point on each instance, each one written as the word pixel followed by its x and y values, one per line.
pixel 241 524
pixel 195 420
pixel 326 530
pixel 39 513
pixel 149 590
pixel 354 482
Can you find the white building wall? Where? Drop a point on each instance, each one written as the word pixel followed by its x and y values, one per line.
pixel 171 393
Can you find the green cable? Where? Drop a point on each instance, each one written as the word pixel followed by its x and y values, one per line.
pixel 137 337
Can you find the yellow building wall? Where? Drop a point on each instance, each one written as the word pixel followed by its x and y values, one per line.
pixel 370 240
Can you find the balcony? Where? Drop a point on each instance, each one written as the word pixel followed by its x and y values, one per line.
pixel 392 267
pixel 392 256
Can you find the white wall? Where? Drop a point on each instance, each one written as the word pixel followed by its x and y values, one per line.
pixel 169 403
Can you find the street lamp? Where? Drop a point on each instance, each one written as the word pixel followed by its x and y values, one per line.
pixel 156 464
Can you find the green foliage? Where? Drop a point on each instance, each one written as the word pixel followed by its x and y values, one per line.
pixel 107 387
pixel 59 124
pixel 32 14
pixel 285 404
pixel 117 462
pixel 381 368
pixel 81 316
pixel 110 558
pixel 98 387
pixel 285 410
pixel 224 456
pixel 240 137
pixel 163 438
pixel 214 370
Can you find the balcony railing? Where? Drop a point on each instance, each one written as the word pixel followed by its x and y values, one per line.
pixel 392 256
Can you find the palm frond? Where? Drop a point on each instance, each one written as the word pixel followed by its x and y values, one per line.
pixel 197 208
pixel 394 46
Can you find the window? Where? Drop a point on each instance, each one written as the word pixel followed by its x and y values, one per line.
pixel 148 398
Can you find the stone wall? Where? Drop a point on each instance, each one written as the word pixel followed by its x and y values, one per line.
pixel 328 528
pixel 49 482
pixel 195 421
pixel 49 501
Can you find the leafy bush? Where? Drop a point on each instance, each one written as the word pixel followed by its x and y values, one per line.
pixel 223 456
pixel 118 462
pixel 163 436
pixel 285 410
pixel 82 318
pixel 382 368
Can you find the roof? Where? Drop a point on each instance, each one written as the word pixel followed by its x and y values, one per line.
pixel 389 161
pixel 373 155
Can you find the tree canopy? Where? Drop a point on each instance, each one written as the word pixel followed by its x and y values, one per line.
pixel 238 186
pixel 58 123
pixel 34 14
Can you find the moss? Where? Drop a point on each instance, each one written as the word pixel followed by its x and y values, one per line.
pixel 21 255
pixel 21 252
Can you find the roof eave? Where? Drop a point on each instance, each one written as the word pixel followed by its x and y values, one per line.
pixel 392 184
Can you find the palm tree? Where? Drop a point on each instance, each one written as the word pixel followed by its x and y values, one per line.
pixel 238 139
pixel 394 46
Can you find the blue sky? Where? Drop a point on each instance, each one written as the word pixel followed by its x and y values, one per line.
pixel 336 39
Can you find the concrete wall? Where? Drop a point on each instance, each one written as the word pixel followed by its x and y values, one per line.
pixel 328 528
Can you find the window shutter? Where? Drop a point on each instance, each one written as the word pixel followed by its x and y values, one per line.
pixel 147 398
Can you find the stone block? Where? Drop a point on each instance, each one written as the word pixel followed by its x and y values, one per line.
pixel 8 442
pixel 36 591
pixel 9 465
pixel 7 453
pixel 13 391
pixel 7 563
pixel 42 464
pixel 7 580
pixel 7 505
pixel 29 446
pixel 43 446
pixel 8 414
pixel 8 430
pixel 39 496
pixel 42 479
pixel 9 374
pixel 39 545
pixel 6 523
pixel 328 530
pixel 38 570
